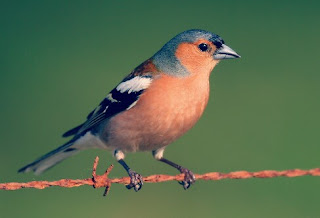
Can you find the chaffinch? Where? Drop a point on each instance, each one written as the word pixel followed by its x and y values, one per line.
pixel 154 105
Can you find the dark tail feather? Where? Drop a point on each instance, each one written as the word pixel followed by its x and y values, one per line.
pixel 50 159
pixel 72 131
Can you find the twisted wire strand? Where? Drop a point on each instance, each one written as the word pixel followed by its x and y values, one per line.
pixel 98 181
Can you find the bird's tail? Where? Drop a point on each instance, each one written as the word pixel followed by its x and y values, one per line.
pixel 50 159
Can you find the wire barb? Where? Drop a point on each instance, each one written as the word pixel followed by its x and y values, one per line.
pixel 103 180
pixel 99 181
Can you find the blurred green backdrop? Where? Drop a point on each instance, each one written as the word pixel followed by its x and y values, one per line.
pixel 58 59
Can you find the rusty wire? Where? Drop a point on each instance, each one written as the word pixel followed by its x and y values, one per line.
pixel 98 181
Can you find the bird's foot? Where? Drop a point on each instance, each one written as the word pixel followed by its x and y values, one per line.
pixel 136 181
pixel 189 178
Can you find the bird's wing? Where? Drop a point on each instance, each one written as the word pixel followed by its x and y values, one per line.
pixel 121 98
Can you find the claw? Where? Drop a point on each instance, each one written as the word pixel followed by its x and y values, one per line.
pixel 136 181
pixel 189 178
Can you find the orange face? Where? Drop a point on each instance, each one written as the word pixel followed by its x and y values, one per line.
pixel 197 57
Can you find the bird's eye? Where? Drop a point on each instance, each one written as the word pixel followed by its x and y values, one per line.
pixel 203 47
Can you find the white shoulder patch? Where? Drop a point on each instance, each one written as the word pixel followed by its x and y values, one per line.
pixel 135 84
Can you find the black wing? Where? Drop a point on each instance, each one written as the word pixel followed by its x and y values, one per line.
pixel 118 100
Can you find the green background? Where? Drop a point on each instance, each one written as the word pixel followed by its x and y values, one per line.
pixel 58 59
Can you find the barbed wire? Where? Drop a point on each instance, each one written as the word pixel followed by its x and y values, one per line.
pixel 98 181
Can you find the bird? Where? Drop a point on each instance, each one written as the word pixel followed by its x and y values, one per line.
pixel 154 105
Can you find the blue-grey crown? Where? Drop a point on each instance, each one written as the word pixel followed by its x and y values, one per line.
pixel 165 59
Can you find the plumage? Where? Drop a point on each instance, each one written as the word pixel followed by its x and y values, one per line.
pixel 139 129
pixel 50 159
pixel 154 105
pixel 119 99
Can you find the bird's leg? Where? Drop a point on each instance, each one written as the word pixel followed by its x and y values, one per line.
pixel 189 177
pixel 136 180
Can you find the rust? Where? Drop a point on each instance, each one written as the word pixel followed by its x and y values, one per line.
pixel 99 181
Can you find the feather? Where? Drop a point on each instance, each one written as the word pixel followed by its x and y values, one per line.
pixel 72 131
pixel 121 98
pixel 50 159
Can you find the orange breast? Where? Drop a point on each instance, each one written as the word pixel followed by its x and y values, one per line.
pixel 164 112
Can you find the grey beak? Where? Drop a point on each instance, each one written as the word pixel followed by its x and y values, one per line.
pixel 225 52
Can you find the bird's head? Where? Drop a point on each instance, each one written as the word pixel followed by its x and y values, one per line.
pixel 191 52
